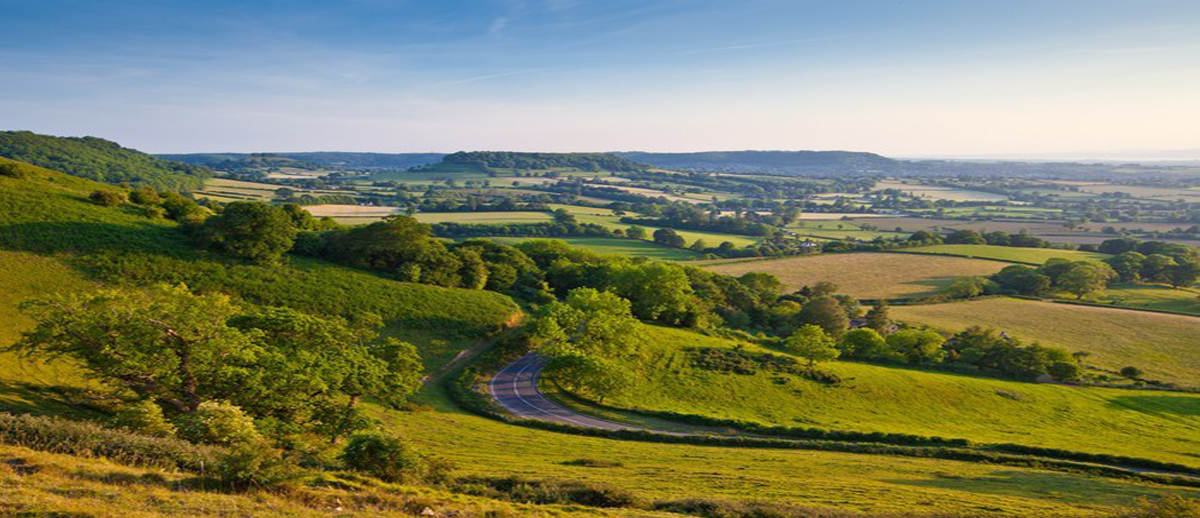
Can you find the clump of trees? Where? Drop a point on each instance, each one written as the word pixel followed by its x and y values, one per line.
pixel 590 340
pixel 204 359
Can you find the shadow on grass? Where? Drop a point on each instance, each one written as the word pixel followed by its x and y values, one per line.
pixel 1160 405
pixel 1060 487
pixel 54 237
pixel 23 398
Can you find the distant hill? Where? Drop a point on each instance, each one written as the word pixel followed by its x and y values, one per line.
pixel 518 160
pixel 777 162
pixel 101 160
pixel 310 160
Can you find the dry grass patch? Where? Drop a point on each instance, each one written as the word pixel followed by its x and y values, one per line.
pixel 868 275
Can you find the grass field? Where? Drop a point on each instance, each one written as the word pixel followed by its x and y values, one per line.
pixel 612 245
pixel 1161 298
pixel 804 478
pixel 1011 254
pixel 607 219
pixel 1157 425
pixel 1166 347
pixel 937 192
pixel 868 275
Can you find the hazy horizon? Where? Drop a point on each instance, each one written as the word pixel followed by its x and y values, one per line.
pixel 1073 78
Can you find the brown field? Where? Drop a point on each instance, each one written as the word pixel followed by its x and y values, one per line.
pixel 1166 347
pixel 868 275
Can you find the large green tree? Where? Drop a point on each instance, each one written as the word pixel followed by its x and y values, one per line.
pixel 591 340
pixel 253 231
pixel 813 344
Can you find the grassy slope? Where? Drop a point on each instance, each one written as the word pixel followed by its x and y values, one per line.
pixel 1161 298
pixel 1167 347
pixel 806 478
pixel 1139 423
pixel 37 484
pixel 605 218
pixel 48 214
pixel 1008 253
pixel 868 275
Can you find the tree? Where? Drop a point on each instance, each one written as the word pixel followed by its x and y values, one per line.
pixel 635 232
pixel 966 288
pixel 867 344
pixel 107 198
pixel 162 343
pixel 965 237
pixel 1086 277
pixel 1128 266
pixel 1022 280
pixel 812 343
pixel 182 209
pixel 1065 371
pixel 668 237
pixel 918 346
pixel 253 231
pixel 878 318
pixel 180 350
pixel 1184 274
pixel 1131 372
pixel 827 313
pixel 588 338
pixel 1157 268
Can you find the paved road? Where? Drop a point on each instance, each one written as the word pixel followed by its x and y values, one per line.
pixel 515 388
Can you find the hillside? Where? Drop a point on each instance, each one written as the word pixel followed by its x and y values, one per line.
pixel 515 160
pixel 778 162
pixel 1164 346
pixel 904 400
pixel 324 159
pixel 101 160
pixel 48 214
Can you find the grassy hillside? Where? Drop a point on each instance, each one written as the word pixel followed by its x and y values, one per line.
pixel 1159 298
pixel 809 479
pixel 36 484
pixel 99 159
pixel 867 275
pixel 1167 347
pixel 1011 254
pixel 48 214
pixel 1158 425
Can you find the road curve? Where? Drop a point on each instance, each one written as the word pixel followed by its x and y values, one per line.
pixel 515 388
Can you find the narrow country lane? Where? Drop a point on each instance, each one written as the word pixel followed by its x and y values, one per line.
pixel 515 388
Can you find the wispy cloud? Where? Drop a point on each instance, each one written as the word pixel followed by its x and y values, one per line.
pixel 762 45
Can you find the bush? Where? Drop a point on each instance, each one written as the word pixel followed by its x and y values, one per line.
pixel 216 422
pixel 553 491
pixel 392 459
pixel 145 417
pixel 257 465
pixel 106 198
pixel 58 435
pixel 15 170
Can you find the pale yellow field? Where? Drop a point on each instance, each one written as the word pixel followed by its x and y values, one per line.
pixel 868 275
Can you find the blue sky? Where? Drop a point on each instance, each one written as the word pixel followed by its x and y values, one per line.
pixel 913 77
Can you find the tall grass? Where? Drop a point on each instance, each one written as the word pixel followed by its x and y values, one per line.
pixel 84 439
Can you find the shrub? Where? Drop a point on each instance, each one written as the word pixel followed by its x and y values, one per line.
pixel 257 465
pixel 216 422
pixel 1131 372
pixel 392 459
pixel 15 170
pixel 106 198
pixel 145 417
pixel 145 196
pixel 58 435
pixel 553 491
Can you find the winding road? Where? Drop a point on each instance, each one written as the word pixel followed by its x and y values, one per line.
pixel 516 389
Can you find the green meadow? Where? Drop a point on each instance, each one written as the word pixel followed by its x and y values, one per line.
pixel 1163 426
